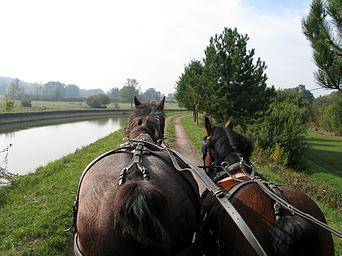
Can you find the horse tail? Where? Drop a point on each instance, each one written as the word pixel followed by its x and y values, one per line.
pixel 292 235
pixel 140 212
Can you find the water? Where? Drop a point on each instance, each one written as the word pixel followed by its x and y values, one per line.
pixel 36 146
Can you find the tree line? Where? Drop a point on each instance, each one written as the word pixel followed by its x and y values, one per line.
pixel 96 98
pixel 230 83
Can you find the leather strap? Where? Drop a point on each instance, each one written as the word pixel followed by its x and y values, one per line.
pixel 291 208
pixel 221 197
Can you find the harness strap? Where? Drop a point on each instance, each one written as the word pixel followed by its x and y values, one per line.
pixel 291 208
pixel 222 198
pixel 232 191
pixel 77 250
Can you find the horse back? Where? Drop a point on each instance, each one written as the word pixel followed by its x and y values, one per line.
pixel 98 198
pixel 256 208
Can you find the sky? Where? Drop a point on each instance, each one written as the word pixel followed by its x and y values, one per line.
pixel 99 44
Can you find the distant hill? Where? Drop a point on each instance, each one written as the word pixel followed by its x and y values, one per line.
pixel 35 89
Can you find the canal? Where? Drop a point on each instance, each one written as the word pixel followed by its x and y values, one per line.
pixel 37 144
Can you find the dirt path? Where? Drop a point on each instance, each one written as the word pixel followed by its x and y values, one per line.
pixel 186 147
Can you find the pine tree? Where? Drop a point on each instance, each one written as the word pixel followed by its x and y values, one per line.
pixel 235 83
pixel 323 28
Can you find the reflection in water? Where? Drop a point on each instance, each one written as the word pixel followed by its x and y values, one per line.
pixel 37 146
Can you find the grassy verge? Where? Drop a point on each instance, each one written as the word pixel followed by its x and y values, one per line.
pixel 37 208
pixel 170 132
pixel 328 197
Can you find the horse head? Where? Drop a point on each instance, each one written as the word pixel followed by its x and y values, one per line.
pixel 223 144
pixel 147 118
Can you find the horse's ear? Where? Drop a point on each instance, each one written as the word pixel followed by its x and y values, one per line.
pixel 229 125
pixel 161 104
pixel 136 101
pixel 207 125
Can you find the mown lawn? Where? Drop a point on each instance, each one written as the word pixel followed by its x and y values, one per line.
pixel 35 211
pixel 57 105
pixel 324 158
pixel 324 188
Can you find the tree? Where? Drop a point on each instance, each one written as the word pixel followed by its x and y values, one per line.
pixel 190 88
pixel 130 90
pixel 170 98
pixel 235 84
pixel 98 101
pixel 282 130
pixel 14 90
pixel 114 95
pixel 53 90
pixel 9 104
pixel 151 94
pixel 71 91
pixel 323 28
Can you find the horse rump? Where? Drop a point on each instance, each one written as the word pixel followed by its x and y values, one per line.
pixel 292 235
pixel 140 213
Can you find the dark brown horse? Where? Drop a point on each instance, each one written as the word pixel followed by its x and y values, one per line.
pixel 155 213
pixel 278 230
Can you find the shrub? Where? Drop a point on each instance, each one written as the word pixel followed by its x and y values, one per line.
pixel 9 104
pixel 98 101
pixel 281 132
pixel 331 117
pixel 26 102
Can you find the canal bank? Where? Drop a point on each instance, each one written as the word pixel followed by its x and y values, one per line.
pixel 13 118
pixel 38 142
pixel 36 209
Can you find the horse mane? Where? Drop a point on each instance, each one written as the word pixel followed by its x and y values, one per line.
pixel 146 117
pixel 241 142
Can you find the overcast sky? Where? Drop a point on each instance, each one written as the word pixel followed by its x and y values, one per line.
pixel 98 44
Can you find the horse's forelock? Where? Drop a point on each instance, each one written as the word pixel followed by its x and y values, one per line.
pixel 148 115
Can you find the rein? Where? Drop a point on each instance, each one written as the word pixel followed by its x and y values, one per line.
pixel 269 188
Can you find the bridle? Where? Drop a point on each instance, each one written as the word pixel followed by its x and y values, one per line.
pixel 213 167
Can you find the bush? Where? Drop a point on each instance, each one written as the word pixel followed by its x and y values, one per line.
pixel 331 117
pixel 9 104
pixel 281 132
pixel 26 102
pixel 98 101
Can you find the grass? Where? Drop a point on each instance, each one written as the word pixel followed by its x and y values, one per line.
pixel 35 211
pixel 38 106
pixel 322 190
pixel 324 159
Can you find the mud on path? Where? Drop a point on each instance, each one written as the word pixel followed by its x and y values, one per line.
pixel 186 148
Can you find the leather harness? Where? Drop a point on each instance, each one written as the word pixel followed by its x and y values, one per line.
pixel 221 195
pixel 142 145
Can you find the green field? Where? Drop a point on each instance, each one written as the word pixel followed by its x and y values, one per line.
pixel 324 157
pixel 57 105
pixel 319 183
